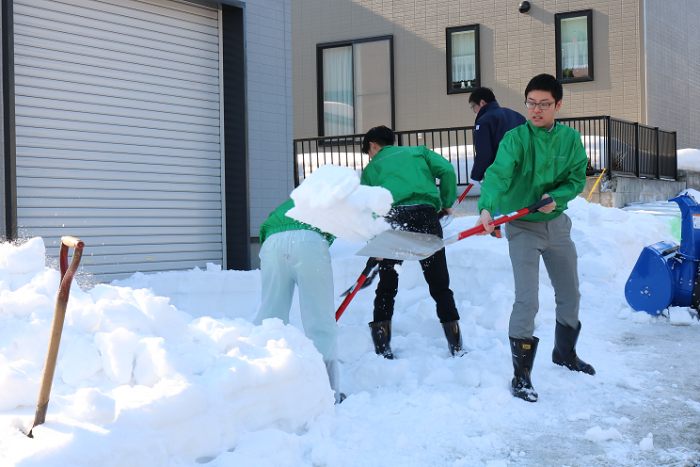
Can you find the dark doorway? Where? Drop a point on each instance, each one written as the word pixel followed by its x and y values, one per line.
pixel 236 142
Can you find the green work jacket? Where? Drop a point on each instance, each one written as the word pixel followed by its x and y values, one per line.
pixel 278 221
pixel 532 161
pixel 409 173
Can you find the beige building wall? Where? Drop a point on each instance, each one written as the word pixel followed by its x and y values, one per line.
pixel 673 68
pixel 514 48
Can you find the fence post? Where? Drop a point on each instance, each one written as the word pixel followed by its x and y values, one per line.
pixel 658 155
pixel 675 156
pixel 608 144
pixel 296 164
pixel 636 149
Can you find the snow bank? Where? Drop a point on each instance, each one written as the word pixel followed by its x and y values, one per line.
pixel 139 382
pixel 332 199
pixel 689 159
pixel 218 294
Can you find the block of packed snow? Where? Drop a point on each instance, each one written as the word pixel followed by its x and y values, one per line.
pixel 680 316
pixel 597 434
pixel 19 384
pixel 93 405
pixel 30 257
pixel 332 200
pixel 647 444
pixel 117 348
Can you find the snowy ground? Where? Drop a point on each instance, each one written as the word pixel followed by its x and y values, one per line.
pixel 143 382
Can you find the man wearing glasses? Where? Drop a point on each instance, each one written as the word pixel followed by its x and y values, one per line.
pixel 492 122
pixel 542 158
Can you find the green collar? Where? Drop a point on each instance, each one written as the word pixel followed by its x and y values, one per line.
pixel 543 131
pixel 379 154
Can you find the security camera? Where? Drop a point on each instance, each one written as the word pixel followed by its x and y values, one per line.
pixel 524 7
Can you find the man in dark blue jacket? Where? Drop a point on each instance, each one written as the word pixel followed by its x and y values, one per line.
pixel 492 122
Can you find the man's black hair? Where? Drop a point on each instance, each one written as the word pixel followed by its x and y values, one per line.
pixel 548 83
pixel 381 135
pixel 481 94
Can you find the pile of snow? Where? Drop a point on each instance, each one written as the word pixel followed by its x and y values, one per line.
pixel 142 382
pixel 332 199
pixel 689 159
pixel 139 382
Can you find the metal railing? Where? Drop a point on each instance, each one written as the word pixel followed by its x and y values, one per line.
pixel 627 149
pixel 455 144
pixel 623 148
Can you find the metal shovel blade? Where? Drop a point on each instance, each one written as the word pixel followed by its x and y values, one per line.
pixel 397 244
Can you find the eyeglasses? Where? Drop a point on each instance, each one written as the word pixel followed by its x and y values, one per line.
pixel 472 107
pixel 541 105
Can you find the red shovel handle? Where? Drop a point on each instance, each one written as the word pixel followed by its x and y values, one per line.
pixel 360 280
pixel 502 220
pixel 461 198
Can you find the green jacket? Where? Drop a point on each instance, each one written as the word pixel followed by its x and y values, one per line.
pixel 409 173
pixel 277 221
pixel 532 161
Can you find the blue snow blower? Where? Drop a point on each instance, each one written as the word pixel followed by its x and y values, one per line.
pixel 666 274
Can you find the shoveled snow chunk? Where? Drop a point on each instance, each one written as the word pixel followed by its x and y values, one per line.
pixel 680 316
pixel 647 444
pixel 597 434
pixel 332 200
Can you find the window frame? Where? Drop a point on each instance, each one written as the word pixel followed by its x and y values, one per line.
pixel 448 57
pixel 319 76
pixel 557 41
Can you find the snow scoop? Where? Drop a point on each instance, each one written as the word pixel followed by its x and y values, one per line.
pixel 67 274
pixel 355 288
pixel 445 218
pixel 401 245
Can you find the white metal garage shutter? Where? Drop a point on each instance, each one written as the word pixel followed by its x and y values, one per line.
pixel 117 121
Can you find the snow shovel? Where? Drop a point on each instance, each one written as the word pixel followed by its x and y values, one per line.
pixel 355 288
pixel 67 274
pixel 444 221
pixel 397 244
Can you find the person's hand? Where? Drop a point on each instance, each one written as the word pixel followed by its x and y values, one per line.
pixel 484 220
pixel 547 208
pixel 449 211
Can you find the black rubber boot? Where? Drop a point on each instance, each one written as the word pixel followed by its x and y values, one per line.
pixel 564 352
pixel 523 351
pixel 381 336
pixel 454 337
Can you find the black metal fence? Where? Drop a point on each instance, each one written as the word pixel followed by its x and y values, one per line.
pixel 627 148
pixel 455 144
pixel 620 147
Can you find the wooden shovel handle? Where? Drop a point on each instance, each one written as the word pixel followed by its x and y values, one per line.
pixel 67 274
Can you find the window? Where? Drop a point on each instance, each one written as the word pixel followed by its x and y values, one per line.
pixel 463 69
pixel 574 33
pixel 355 86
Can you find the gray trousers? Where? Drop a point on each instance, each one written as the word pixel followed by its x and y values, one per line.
pixel 552 240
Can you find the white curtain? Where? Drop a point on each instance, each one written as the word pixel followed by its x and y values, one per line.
pixel 338 91
pixel 574 54
pixel 372 85
pixel 463 56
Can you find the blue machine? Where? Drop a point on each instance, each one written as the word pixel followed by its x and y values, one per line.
pixel 666 274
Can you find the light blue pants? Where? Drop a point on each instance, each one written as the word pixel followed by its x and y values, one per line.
pixel 301 257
